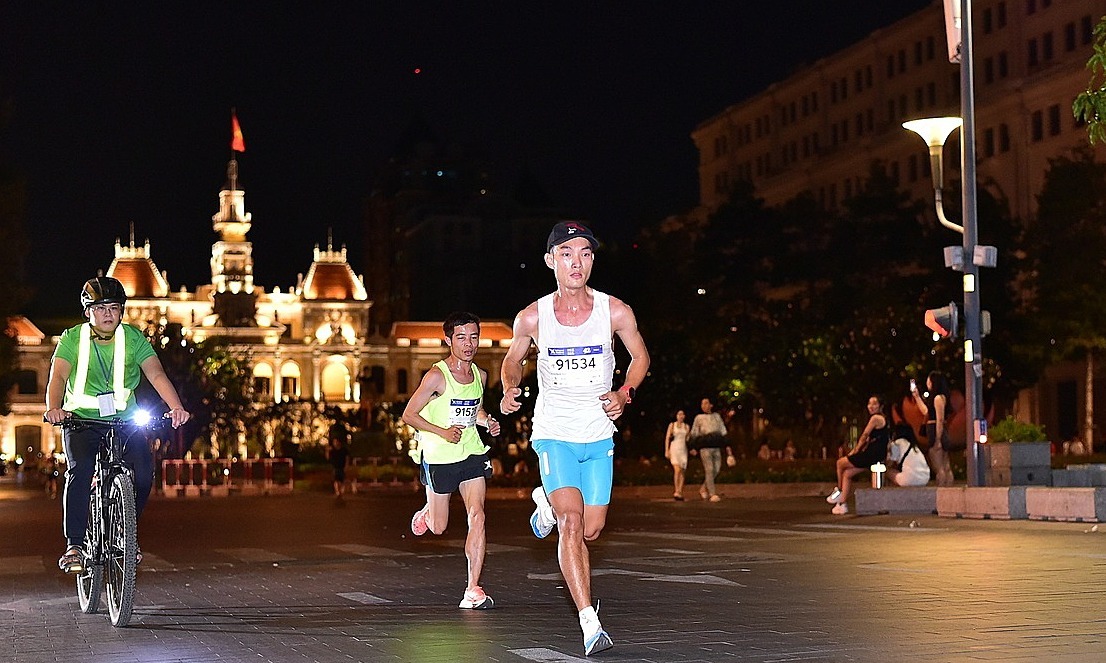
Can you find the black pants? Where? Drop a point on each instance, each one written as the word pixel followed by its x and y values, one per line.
pixel 80 450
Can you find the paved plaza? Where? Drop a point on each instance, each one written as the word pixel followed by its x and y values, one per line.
pixel 766 575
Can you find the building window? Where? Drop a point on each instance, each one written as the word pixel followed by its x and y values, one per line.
pixel 844 131
pixel 891 110
pixel 833 136
pixel 833 92
pixel 1054 120
pixel 1046 47
pixel 1087 30
pixel 1003 65
pixel 858 81
pixel 918 99
pixel 902 61
pixel 988 22
pixel 917 53
pixel 931 48
pixel 26 381
pixel 1002 14
pixel 1003 138
pixel 988 70
pixel 1030 6
pixel 931 94
pixel 1033 56
pixel 989 143
pixel 1069 37
pixel 335 382
pixel 859 124
pixel 1036 126
pixel 868 76
pixel 844 88
pixel 895 172
pixel 289 381
pixel 912 168
pixel 814 102
pixel 890 66
pixel 871 119
pixel 401 381
pixel 376 381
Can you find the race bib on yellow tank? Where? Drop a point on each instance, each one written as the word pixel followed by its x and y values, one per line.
pixel 462 411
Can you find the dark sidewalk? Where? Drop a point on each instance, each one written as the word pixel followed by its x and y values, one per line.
pixel 767 576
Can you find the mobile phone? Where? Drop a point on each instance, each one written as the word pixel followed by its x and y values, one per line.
pixel 913 385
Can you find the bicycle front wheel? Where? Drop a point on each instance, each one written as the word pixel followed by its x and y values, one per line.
pixel 91 580
pixel 121 549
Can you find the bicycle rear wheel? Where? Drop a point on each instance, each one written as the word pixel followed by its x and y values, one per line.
pixel 121 549
pixel 91 580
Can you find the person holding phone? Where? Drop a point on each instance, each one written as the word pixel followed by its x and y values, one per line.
pixel 934 406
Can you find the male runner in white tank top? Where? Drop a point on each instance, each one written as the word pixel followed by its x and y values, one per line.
pixel 574 415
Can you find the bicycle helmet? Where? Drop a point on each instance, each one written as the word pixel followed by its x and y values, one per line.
pixel 102 290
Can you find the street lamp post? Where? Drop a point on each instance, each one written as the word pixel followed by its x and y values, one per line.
pixel 934 131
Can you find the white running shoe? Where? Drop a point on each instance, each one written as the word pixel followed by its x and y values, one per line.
pixel 476 599
pixel 595 638
pixel 598 642
pixel 542 520
pixel 835 496
pixel 840 509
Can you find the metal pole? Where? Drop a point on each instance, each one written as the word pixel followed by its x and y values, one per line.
pixel 973 348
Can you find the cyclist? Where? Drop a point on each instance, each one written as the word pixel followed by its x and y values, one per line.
pixel 93 374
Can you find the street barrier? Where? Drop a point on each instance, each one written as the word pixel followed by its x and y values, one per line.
pixel 221 477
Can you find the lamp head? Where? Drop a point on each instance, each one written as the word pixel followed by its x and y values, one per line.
pixel 934 130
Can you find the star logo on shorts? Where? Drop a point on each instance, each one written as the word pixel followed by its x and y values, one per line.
pixel 487 465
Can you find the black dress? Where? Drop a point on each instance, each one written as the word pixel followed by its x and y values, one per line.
pixel 875 451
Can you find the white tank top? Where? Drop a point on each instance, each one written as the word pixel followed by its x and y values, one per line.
pixel 575 368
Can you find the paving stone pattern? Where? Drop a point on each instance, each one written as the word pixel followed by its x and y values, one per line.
pixel 307 578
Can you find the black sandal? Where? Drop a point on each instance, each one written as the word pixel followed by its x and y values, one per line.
pixel 72 561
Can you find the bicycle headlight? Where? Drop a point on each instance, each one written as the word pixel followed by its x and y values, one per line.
pixel 142 417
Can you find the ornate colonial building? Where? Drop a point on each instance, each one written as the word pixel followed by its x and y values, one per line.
pixel 311 342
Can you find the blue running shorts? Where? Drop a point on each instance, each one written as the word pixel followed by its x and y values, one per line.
pixel 586 466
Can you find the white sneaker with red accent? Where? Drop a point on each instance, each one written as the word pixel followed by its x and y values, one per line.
pixel 476 599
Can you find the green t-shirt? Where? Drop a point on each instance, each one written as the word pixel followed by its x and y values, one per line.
pixel 137 349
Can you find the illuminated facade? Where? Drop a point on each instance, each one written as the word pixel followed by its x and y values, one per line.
pixel 310 342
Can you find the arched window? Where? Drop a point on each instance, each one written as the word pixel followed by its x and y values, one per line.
pixel 336 381
pixel 290 380
pixel 263 381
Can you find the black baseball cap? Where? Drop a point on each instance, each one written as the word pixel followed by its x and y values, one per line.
pixel 566 230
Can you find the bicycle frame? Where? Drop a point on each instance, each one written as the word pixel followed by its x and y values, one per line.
pixel 111 543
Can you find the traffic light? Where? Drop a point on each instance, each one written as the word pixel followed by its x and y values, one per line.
pixel 943 321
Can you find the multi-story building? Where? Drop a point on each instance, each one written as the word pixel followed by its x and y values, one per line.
pixel 821 129
pixel 310 342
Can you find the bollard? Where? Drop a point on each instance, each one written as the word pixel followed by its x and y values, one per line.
pixel 877 475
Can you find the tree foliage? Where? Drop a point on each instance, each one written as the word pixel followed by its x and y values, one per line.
pixel 798 313
pixel 1090 106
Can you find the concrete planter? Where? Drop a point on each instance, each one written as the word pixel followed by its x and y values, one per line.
pixel 1067 504
pixel 1000 503
pixel 1017 463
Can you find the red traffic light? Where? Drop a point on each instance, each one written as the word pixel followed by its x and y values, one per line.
pixel 943 321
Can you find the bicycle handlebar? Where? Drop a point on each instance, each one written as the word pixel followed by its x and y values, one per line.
pixel 77 422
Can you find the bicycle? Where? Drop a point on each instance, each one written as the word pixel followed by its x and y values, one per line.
pixel 110 548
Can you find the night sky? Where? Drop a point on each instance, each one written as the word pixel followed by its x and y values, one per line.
pixel 119 113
